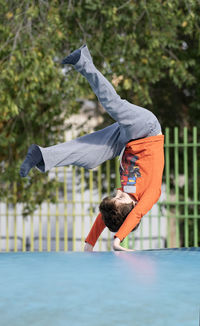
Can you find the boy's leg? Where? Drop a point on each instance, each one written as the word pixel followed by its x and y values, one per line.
pixel 136 121
pixel 87 151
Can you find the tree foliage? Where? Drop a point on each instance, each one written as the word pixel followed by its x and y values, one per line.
pixel 150 50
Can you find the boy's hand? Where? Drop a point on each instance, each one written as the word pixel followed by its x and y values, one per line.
pixel 88 247
pixel 117 247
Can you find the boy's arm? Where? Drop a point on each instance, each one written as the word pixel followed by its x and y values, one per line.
pixel 95 231
pixel 149 198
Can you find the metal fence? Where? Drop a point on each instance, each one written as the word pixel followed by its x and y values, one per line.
pixel 173 222
pixel 182 162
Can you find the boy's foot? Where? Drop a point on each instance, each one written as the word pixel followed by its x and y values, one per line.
pixel 72 58
pixel 33 157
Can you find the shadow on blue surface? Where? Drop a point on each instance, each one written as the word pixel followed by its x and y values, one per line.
pixel 150 287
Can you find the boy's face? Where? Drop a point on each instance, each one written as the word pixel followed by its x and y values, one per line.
pixel 123 198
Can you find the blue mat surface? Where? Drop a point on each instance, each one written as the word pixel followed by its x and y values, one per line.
pixel 152 287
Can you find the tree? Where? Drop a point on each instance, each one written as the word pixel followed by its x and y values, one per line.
pixel 149 50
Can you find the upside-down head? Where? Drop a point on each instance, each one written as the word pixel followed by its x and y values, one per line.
pixel 115 209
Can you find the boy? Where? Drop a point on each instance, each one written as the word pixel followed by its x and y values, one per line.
pixel 136 135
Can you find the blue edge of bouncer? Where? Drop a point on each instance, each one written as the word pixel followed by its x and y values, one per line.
pixel 159 287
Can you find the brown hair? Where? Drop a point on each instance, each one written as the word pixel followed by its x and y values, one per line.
pixel 114 215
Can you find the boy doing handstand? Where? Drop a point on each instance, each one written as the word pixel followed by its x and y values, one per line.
pixel 136 137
